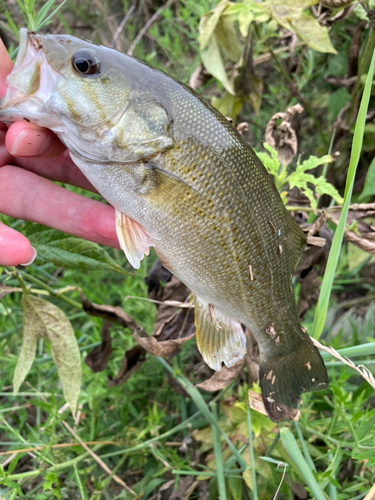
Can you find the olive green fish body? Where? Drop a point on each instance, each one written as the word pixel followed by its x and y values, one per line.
pixel 183 180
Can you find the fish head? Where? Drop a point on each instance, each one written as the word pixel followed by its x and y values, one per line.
pixel 93 97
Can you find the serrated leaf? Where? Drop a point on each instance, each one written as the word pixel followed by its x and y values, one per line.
pixel 211 58
pixel 45 320
pixel 68 251
pixel 313 162
pixel 271 163
pixel 208 23
pixel 369 187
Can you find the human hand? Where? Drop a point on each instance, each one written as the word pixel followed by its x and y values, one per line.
pixel 29 156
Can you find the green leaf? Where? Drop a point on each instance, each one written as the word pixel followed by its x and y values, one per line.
pixel 208 23
pixel 369 187
pixel 227 39
pixel 245 17
pixel 290 15
pixel 68 251
pixel 313 162
pixel 211 58
pixel 45 320
pixel 271 163
pixel 313 34
pixel 294 452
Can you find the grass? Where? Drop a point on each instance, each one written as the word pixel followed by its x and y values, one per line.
pixel 158 427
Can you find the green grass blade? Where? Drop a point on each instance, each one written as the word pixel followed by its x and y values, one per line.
pixel 252 459
pixel 201 404
pixel 323 302
pixel 357 350
pixel 305 451
pixel 218 455
pixel 295 454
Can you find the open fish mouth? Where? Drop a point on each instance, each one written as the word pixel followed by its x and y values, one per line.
pixel 30 84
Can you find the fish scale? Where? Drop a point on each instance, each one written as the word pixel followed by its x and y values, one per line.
pixel 182 179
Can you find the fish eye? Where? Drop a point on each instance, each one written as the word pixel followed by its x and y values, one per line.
pixel 86 62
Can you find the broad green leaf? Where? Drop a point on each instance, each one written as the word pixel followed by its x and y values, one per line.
pixel 68 251
pixel 208 23
pixel 290 15
pixel 45 320
pixel 369 187
pixel 213 62
pixel 229 105
pixel 245 17
pixel 313 34
pixel 227 39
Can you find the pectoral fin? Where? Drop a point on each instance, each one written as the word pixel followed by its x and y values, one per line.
pixel 219 339
pixel 134 240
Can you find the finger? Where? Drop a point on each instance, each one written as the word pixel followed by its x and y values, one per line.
pixel 31 140
pixel 6 67
pixel 5 157
pixel 24 195
pixel 15 249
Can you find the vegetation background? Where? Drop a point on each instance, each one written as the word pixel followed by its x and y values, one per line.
pixel 142 429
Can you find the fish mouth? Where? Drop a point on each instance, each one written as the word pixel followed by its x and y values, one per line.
pixel 31 82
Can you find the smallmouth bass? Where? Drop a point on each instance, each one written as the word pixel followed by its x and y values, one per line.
pixel 183 180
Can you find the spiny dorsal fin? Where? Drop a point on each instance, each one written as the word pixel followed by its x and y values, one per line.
pixel 219 339
pixel 134 240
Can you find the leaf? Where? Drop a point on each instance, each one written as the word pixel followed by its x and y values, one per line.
pixel 369 187
pixel 208 23
pixel 227 39
pixel 313 34
pixel 290 15
pixel 114 314
pixel 271 162
pixel 245 17
pixel 211 58
pixel 97 359
pixel 45 320
pixel 221 379
pixel 68 251
pixel 132 361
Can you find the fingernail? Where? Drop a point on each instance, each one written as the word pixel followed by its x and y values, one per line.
pixel 30 142
pixel 32 259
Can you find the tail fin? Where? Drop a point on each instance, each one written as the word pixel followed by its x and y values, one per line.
pixel 284 379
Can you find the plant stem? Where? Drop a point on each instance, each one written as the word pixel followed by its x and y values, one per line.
pixel 51 291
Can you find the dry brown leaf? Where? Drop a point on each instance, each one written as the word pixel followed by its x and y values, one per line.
pixel 174 290
pixel 162 349
pixel 221 379
pixel 114 314
pixel 132 361
pixel 5 290
pixel 283 137
pixel 97 359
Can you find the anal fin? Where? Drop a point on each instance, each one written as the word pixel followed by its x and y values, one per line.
pixel 134 240
pixel 219 339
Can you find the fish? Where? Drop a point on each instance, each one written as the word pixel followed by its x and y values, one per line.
pixel 183 180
